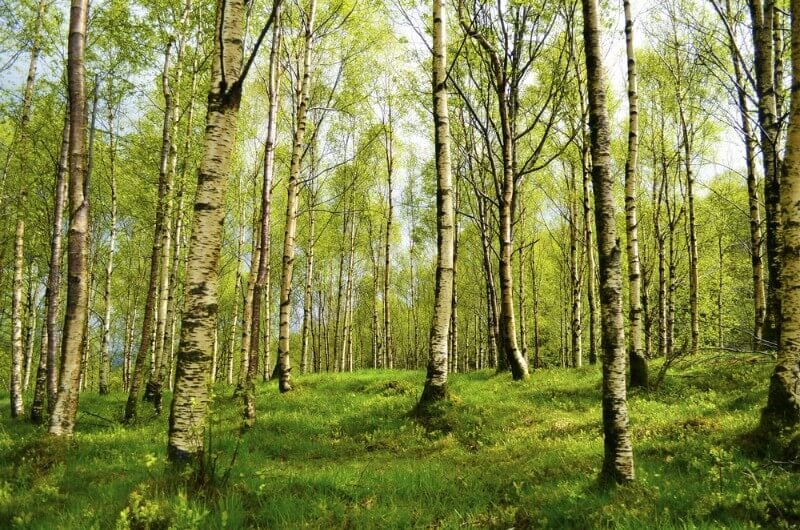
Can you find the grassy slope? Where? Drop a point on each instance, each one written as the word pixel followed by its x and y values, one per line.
pixel 342 452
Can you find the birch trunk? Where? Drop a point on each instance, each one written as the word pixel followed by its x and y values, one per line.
pixel 27 101
pixel 187 421
pixel 436 380
pixel 576 282
pixel 62 419
pixel 30 328
pixel 284 359
pixel 618 461
pixel 591 268
pixel 260 286
pixel 172 107
pixel 307 302
pixel 756 235
pixel 388 347
pixel 761 12
pixel 105 359
pixel 638 363
pixel 15 398
pixel 783 402
pixel 177 236
pixel 149 337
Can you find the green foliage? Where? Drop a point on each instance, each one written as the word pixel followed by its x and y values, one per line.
pixel 343 451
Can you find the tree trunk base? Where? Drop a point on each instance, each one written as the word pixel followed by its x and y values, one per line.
pixel 639 372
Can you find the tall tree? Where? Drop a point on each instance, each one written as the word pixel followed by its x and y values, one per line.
pixel 302 97
pixel 638 363
pixel 783 401
pixel 618 460
pixel 47 372
pixel 62 419
pixel 762 19
pixel 187 420
pixel 262 255
pixel 435 388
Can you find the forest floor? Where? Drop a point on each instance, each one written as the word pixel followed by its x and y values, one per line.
pixel 341 451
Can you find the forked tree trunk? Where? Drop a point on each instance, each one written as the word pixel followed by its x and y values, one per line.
pixel 37 407
pixel 783 402
pixel 187 421
pixel 638 363
pixel 435 388
pixel 618 461
pixel 62 419
pixel 303 92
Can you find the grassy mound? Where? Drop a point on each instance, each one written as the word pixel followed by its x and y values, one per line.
pixel 343 451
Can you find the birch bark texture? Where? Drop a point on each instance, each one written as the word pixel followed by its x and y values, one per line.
pixel 62 419
pixel 435 388
pixel 618 458
pixel 284 359
pixel 638 363
pixel 187 420
pixel 783 401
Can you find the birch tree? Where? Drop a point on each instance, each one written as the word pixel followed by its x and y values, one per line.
pixel 435 388
pixel 783 401
pixel 62 419
pixel 618 459
pixel 187 420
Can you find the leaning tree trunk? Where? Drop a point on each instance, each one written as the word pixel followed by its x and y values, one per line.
pixel 187 420
pixel 635 350
pixel 436 381
pixel 303 93
pixel 783 402
pixel 62 420
pixel 21 144
pixel 618 461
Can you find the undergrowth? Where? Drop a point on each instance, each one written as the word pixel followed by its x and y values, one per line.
pixel 343 450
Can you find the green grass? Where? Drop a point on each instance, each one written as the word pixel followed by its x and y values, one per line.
pixel 342 452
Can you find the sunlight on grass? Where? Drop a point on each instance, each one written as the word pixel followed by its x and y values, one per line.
pixel 343 451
